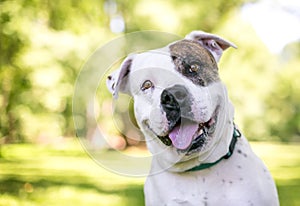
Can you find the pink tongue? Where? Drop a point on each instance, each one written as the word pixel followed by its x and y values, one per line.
pixel 182 135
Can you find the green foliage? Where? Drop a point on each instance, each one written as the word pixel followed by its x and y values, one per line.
pixel 177 16
pixel 284 102
pixel 262 86
pixel 43 44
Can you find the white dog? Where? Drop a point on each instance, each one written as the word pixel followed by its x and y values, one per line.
pixel 182 108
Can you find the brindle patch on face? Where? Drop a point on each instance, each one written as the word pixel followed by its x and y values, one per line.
pixel 194 62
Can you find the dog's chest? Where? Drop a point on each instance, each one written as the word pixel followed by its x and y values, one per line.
pixel 189 187
pixel 240 179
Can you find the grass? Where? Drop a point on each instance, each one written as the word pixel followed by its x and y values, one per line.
pixel 37 175
pixel 47 175
pixel 284 163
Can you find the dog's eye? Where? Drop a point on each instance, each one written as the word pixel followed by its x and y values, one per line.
pixel 191 68
pixel 146 85
pixel 194 68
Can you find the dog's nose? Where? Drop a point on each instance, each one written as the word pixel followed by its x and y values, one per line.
pixel 172 100
pixel 173 96
pixel 168 101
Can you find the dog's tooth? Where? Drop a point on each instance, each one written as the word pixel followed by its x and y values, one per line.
pixel 166 140
pixel 211 122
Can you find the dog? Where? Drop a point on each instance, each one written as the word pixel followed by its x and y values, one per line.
pixel 182 107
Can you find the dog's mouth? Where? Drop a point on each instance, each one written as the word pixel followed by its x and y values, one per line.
pixel 188 136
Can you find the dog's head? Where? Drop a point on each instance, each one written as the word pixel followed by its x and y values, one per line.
pixel 180 103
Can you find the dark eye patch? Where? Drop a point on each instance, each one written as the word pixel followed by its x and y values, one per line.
pixel 194 62
pixel 191 69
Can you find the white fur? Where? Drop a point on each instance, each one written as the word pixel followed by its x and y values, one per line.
pixel 240 180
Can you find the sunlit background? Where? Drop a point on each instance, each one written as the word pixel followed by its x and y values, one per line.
pixel 44 44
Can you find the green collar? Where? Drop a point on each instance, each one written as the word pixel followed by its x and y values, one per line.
pixel 236 134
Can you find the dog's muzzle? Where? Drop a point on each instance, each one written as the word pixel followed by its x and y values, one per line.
pixel 184 133
pixel 175 103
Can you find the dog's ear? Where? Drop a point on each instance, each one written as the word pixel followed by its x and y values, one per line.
pixel 118 80
pixel 215 44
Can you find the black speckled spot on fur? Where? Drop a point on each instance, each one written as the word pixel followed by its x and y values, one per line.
pixel 194 62
pixel 244 154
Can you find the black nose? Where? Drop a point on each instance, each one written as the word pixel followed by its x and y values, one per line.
pixel 172 100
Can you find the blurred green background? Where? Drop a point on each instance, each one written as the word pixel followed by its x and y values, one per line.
pixel 44 44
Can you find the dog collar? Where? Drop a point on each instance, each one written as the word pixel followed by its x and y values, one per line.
pixel 236 134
